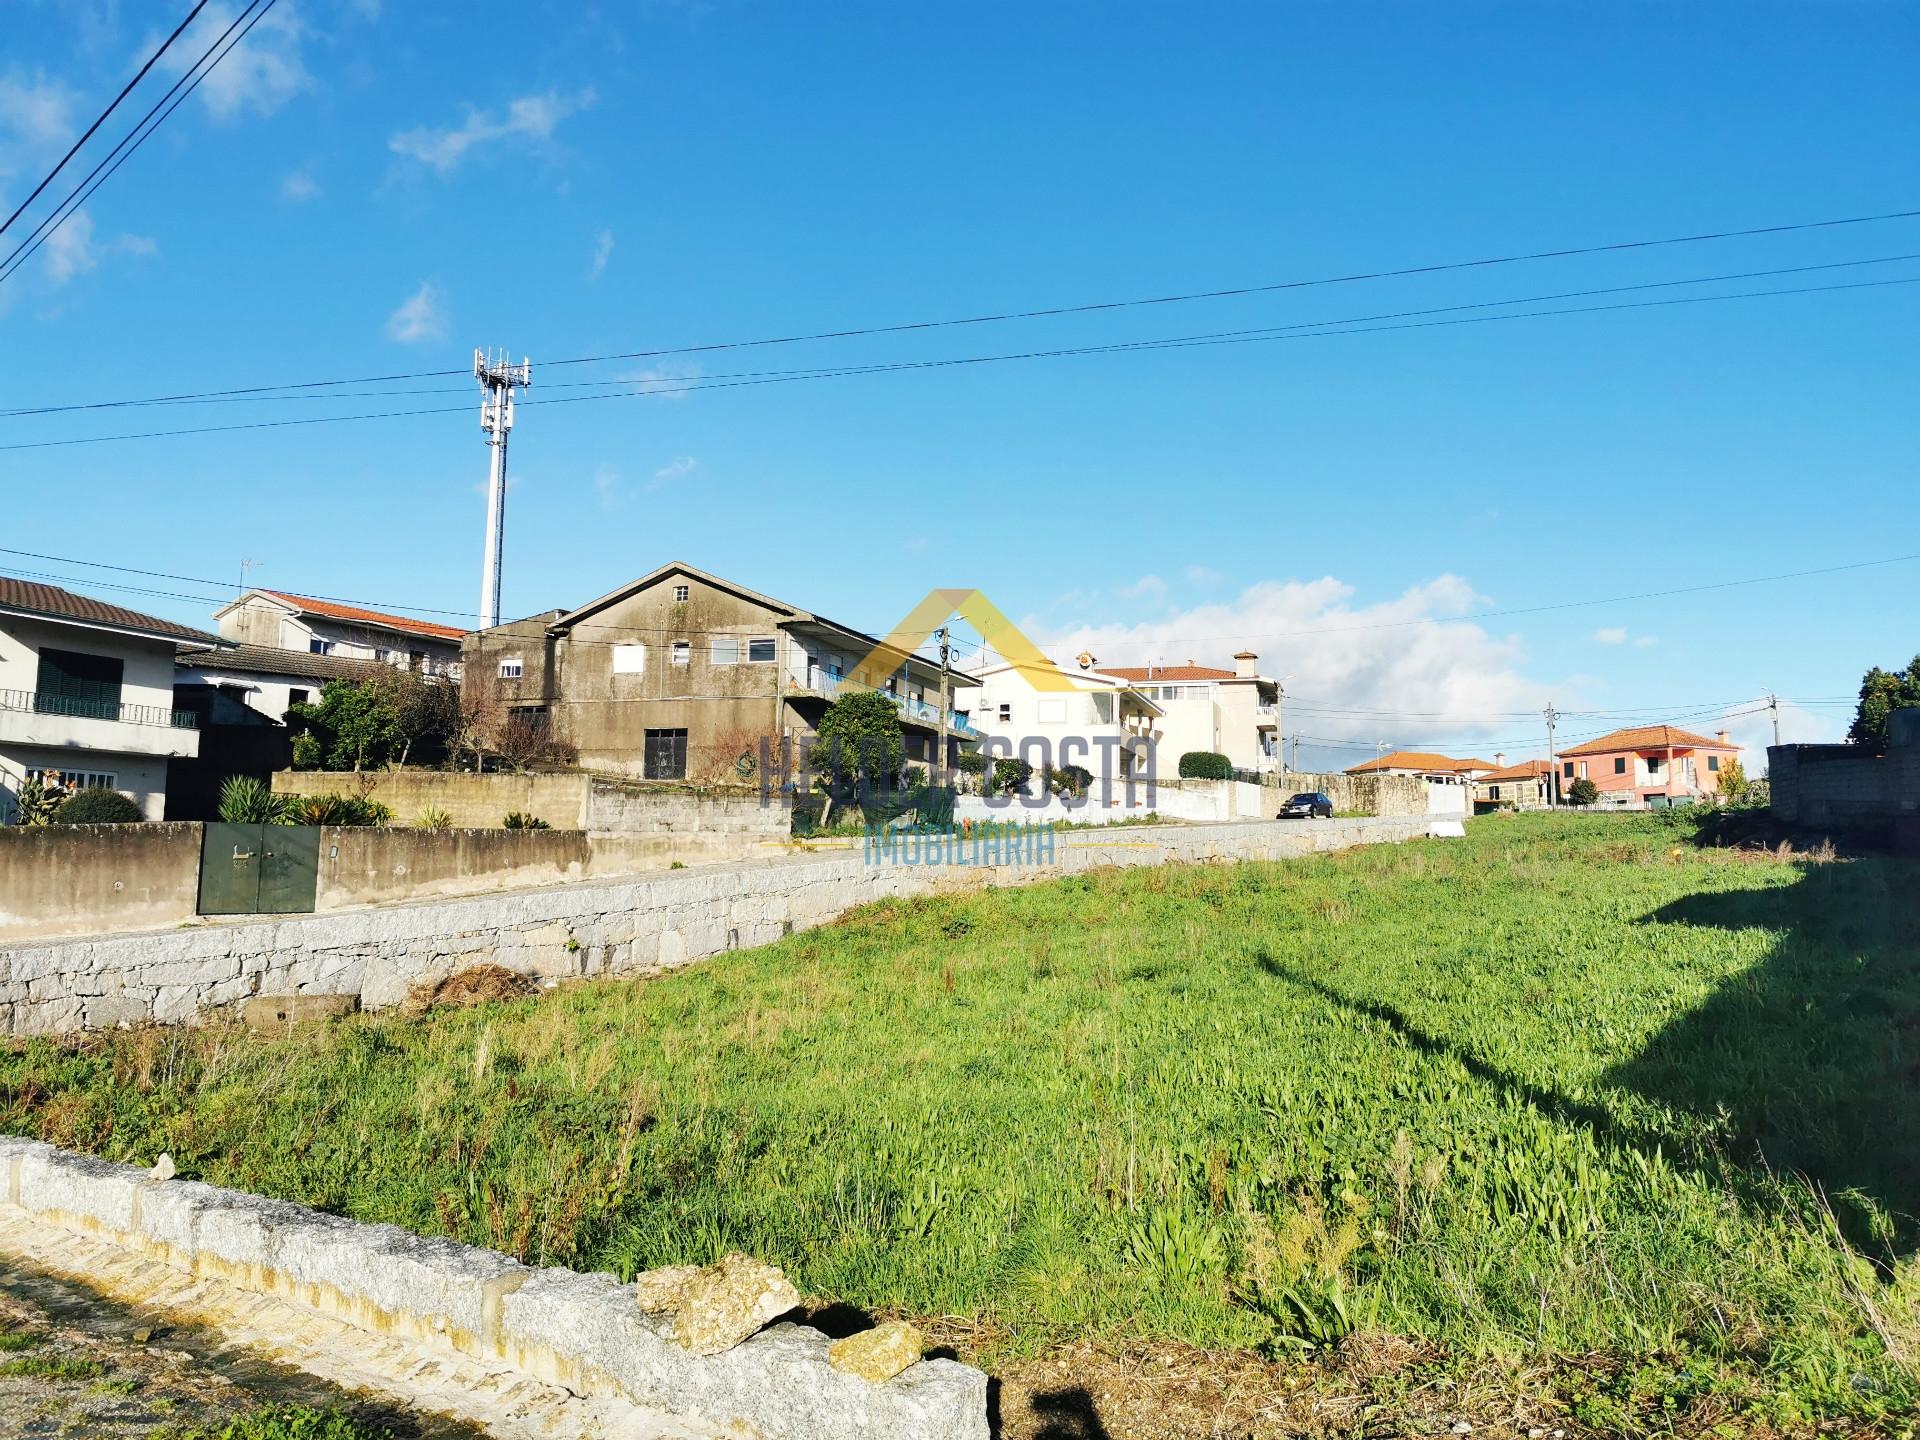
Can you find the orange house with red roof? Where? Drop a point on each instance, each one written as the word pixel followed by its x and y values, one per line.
pixel 1649 765
pixel 332 627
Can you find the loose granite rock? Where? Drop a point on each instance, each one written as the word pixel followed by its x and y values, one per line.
pixel 714 1307
pixel 879 1354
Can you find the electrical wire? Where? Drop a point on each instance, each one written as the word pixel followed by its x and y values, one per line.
pixel 124 151
pixel 1047 312
pixel 125 91
pixel 895 367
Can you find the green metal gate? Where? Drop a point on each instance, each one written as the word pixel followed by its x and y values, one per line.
pixel 259 869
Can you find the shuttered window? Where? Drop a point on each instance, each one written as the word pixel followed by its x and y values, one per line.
pixel 71 683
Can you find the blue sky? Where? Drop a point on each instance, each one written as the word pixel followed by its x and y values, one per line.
pixel 365 190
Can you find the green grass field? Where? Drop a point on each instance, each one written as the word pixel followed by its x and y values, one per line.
pixel 1569 1086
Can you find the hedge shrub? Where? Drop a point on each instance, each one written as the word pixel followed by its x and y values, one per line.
pixel 97 807
pixel 1205 765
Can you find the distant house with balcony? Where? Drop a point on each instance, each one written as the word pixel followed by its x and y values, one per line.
pixel 1085 716
pixel 86 694
pixel 1649 765
pixel 273 619
pixel 680 674
pixel 1234 712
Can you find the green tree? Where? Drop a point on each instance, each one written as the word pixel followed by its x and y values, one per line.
pixel 425 710
pixel 858 745
pixel 1582 792
pixel 350 727
pixel 1734 784
pixel 1881 693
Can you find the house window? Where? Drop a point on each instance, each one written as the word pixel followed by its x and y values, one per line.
pixel 71 683
pixel 682 652
pixel 726 650
pixel 1583 769
pixel 1619 764
pixel 760 652
pixel 1713 763
pixel 1493 792
pixel 383 655
pixel 665 754
pixel 1053 712
pixel 297 697
pixel 1654 765
pixel 416 659
pixel 319 647
pixel 629 659
pixel 1103 709
pixel 1006 711
pixel 1566 768
pixel 679 594
pixel 77 779
pixel 510 668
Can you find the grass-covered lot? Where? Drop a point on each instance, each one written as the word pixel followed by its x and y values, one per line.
pixel 1628 1122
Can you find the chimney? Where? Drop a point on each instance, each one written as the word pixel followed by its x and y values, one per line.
pixel 1499 759
pixel 1246 664
pixel 1721 736
pixel 1085 657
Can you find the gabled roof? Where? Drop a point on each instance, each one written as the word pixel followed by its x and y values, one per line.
pixel 1474 765
pixel 1410 760
pixel 272 660
pixel 1649 737
pixel 24 597
pixel 793 614
pixel 354 614
pixel 1526 770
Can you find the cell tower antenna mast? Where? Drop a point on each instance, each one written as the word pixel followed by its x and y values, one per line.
pixel 499 379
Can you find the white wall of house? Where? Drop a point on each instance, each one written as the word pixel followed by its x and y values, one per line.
pixel 1100 725
pixel 268 694
pixel 128 754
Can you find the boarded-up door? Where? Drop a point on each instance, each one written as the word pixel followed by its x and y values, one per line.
pixel 259 869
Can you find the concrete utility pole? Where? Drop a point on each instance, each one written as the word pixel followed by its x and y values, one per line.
pixel 499 378
pixel 1773 704
pixel 1553 769
pixel 937 774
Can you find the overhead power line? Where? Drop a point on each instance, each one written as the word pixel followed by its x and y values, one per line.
pixel 125 91
pixel 1055 311
pixel 627 386
pixel 138 136
pixel 902 366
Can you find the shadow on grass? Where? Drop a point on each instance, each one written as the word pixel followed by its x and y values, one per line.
pixel 1067 1414
pixel 1811 1060
pixel 1807 1064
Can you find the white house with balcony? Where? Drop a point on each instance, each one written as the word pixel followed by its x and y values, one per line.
pixel 86 695
pixel 1235 713
pixel 1085 717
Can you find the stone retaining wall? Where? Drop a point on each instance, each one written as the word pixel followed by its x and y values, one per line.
pixel 584 1332
pixel 628 927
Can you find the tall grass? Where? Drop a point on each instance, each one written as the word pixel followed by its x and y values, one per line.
pixel 1564 1086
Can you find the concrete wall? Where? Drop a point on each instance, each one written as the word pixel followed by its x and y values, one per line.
pixel 571 800
pixel 1361 794
pixel 583 1332
pixel 86 879
pixel 627 927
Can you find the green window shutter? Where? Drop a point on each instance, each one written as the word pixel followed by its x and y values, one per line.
pixel 71 683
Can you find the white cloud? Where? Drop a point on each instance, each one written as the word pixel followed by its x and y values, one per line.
pixel 602 252
pixel 677 468
pixel 1645 642
pixel 260 73
pixel 531 117
pixel 422 316
pixel 35 116
pixel 71 250
pixel 1402 655
pixel 669 382
pixel 1612 635
pixel 299 186
pixel 1205 575
pixel 1147 587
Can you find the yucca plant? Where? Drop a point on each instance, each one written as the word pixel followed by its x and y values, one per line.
pixel 433 818
pixel 248 800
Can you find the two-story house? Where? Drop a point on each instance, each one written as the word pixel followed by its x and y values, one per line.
pixel 1649 765
pixel 679 674
pixel 1512 787
pixel 86 692
pixel 1083 716
pixel 273 619
pixel 1234 712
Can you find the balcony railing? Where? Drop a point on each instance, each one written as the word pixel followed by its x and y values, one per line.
pixel 36 703
pixel 925 711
